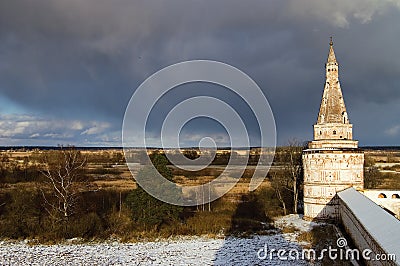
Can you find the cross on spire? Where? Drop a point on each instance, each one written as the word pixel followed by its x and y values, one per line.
pixel 331 56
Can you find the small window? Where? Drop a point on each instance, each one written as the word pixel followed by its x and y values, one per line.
pixel 382 196
pixel 334 132
pixel 320 132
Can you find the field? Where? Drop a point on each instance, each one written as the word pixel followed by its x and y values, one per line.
pixel 176 250
pixel 59 194
pixel 101 207
pixel 384 166
pixel 110 221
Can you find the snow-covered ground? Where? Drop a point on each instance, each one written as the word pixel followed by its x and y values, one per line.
pixel 178 251
pixel 295 221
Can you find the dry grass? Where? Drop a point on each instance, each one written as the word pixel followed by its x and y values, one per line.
pixel 388 181
pixel 120 184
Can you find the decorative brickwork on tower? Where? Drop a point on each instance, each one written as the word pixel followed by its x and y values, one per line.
pixel 332 161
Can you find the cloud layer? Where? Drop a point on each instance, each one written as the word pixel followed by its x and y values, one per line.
pixel 44 131
pixel 73 65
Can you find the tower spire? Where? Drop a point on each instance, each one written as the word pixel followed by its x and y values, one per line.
pixel 331 55
pixel 332 109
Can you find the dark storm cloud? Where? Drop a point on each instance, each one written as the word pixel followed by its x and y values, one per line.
pixel 82 60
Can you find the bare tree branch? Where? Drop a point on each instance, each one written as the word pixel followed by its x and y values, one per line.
pixel 294 169
pixel 63 170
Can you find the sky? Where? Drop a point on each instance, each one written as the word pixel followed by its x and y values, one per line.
pixel 69 67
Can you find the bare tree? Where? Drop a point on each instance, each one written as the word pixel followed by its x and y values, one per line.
pixel 63 169
pixel 201 195
pixel 279 183
pixel 294 168
pixel 4 161
pixel 371 173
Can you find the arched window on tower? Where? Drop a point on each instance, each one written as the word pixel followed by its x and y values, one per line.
pixel 344 115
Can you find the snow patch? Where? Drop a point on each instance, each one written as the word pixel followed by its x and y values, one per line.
pixel 296 221
pixel 185 251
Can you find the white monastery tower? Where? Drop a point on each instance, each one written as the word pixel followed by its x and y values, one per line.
pixel 332 161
